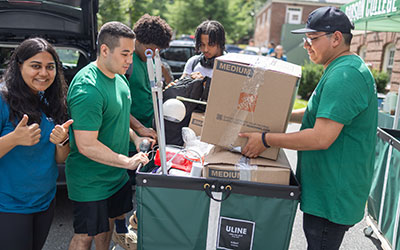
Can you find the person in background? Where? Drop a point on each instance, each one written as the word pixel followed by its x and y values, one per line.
pixel 278 53
pixel 32 103
pixel 251 42
pixel 99 101
pixel 271 48
pixel 210 41
pixel 336 142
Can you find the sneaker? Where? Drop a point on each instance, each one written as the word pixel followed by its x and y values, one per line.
pixel 127 241
pixel 133 221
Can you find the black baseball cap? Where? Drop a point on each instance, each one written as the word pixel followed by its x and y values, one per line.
pixel 326 19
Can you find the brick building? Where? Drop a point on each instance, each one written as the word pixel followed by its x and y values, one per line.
pixel 276 18
pixel 382 51
pixel 275 13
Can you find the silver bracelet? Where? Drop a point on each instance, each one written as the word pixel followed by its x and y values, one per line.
pixel 65 142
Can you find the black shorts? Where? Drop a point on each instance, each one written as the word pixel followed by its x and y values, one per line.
pixel 91 217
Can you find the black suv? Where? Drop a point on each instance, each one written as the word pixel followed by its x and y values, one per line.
pixel 177 54
pixel 69 25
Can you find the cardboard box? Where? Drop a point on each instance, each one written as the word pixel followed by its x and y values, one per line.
pixel 196 122
pixel 223 164
pixel 249 94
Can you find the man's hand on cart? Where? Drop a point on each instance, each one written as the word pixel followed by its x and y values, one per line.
pixel 139 158
pixel 254 146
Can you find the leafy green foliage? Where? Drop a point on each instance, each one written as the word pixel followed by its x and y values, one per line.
pixel 299 104
pixel 184 16
pixel 381 80
pixel 311 74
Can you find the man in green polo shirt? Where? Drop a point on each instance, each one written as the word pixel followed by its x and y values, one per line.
pixel 153 33
pixel 336 142
pixel 99 101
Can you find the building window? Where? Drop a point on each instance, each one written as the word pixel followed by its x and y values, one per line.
pixel 263 19
pixel 293 15
pixel 389 59
pixel 362 52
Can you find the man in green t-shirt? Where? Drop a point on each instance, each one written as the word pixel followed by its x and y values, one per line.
pixel 99 100
pixel 336 142
pixel 153 33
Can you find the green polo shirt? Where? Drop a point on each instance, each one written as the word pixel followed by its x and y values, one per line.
pixel 142 102
pixel 97 103
pixel 336 181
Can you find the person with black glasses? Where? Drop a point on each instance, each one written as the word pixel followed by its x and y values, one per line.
pixel 336 142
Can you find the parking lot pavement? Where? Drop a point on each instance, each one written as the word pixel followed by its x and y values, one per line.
pixel 61 231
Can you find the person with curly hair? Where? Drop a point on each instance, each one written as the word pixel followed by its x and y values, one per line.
pixel 32 103
pixel 152 32
pixel 210 41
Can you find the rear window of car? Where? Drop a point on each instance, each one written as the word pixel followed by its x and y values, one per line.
pixel 5 54
pixel 180 54
pixel 68 57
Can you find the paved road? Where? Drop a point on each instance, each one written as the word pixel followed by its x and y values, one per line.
pixel 61 230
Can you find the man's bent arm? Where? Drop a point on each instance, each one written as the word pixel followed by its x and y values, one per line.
pixel 91 147
pixel 321 136
pixel 138 127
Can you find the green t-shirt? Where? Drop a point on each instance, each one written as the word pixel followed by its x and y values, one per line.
pixel 97 103
pixel 336 182
pixel 142 102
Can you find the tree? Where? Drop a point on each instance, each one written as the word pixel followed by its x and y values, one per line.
pixel 237 16
pixel 109 10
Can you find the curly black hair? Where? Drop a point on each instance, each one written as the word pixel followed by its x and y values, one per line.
pixel 215 32
pixel 20 97
pixel 153 30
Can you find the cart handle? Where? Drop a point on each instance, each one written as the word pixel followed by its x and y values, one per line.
pixel 212 188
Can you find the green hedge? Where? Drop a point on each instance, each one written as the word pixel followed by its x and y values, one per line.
pixel 381 80
pixel 311 74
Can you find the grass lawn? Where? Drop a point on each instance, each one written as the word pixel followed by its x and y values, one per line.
pixel 298 104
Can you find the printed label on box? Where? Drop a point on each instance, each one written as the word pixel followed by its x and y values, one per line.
pixel 235 68
pixel 225 174
pixel 247 102
pixel 235 234
pixel 197 122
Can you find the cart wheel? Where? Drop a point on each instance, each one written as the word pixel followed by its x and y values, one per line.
pixel 368 231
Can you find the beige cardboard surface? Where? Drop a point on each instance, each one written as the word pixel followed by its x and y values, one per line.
pixel 196 122
pixel 222 164
pixel 249 98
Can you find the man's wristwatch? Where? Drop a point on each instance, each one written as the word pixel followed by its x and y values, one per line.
pixel 62 144
pixel 263 140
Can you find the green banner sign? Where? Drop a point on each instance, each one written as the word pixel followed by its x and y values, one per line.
pixel 374 15
pixel 369 8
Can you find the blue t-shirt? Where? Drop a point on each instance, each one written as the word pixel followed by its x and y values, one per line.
pixel 28 174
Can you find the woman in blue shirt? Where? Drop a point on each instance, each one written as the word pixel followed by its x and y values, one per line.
pixel 32 102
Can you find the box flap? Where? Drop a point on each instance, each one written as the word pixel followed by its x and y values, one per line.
pixel 264 62
pixel 218 155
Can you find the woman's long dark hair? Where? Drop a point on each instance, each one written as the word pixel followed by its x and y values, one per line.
pixel 19 95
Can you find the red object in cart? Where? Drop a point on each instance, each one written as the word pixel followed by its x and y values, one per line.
pixel 183 160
